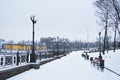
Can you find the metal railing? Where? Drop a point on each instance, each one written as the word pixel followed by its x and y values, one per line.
pixel 12 59
pixel 18 58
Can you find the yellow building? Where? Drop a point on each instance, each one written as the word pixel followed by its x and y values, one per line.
pixel 20 47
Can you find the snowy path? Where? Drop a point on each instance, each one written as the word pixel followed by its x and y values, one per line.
pixel 71 67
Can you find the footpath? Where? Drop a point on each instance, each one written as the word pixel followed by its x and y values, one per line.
pixel 10 72
pixel 71 67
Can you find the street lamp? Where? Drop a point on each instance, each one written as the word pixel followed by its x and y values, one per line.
pixel 32 56
pixel 86 48
pixel 100 57
pixel 57 46
pixel 64 43
pixel 53 46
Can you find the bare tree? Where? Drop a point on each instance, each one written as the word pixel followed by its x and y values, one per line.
pixel 115 18
pixel 108 43
pixel 115 23
pixel 103 9
pixel 116 6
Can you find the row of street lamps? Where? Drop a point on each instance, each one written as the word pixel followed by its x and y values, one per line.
pixel 32 56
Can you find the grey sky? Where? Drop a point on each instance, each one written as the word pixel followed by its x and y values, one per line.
pixel 63 18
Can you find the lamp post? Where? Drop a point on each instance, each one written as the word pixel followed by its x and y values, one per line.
pixel 64 46
pixel 32 56
pixel 86 48
pixel 53 48
pixel 57 47
pixel 100 45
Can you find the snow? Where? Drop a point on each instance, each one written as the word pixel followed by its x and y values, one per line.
pixel 111 60
pixel 71 67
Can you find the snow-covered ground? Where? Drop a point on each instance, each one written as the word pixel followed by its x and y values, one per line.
pixel 73 67
pixel 112 60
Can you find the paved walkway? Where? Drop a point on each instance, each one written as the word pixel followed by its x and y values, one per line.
pixel 71 67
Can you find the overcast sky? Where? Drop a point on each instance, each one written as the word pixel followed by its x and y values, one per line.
pixel 64 18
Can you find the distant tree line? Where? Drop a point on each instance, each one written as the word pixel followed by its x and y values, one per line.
pixel 63 44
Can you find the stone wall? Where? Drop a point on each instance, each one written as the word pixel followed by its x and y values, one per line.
pixel 4 74
pixel 13 71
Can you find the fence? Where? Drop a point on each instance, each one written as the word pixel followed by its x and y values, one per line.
pixel 15 59
pixel 12 59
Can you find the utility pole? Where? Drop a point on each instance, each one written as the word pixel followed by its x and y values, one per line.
pixel 32 56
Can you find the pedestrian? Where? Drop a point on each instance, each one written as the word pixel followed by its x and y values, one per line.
pixel 102 65
pixel 91 60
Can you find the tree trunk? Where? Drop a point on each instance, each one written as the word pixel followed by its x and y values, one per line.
pixel 107 44
pixel 106 26
pixel 115 39
pixel 105 40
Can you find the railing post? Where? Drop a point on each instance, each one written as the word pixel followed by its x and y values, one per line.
pixel 18 58
pixel 40 56
pixel 27 57
pixel 12 59
pixel 4 61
